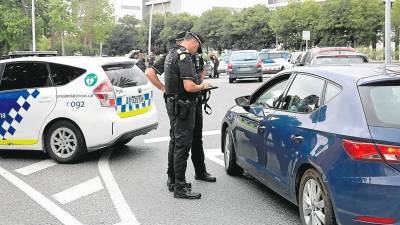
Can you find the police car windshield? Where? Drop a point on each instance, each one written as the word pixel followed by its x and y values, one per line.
pixel 125 75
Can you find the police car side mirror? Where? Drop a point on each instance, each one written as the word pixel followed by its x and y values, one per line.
pixel 243 101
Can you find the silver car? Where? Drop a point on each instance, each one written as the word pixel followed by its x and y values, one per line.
pixel 245 64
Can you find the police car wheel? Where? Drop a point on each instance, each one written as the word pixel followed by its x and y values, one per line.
pixel 65 142
pixel 231 166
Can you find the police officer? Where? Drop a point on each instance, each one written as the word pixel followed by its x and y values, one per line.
pixel 158 68
pixel 197 146
pixel 182 93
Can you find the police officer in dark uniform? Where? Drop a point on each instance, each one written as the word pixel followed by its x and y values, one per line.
pixel 158 68
pixel 181 94
pixel 197 146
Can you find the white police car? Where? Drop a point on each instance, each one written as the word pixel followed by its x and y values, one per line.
pixel 68 106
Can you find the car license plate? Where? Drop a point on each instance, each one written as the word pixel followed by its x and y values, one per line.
pixel 136 99
pixel 244 69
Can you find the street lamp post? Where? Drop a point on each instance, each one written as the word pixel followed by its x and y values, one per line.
pixel 150 25
pixel 388 32
pixel 33 27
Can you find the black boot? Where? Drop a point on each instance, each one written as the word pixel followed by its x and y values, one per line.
pixel 171 183
pixel 205 177
pixel 182 191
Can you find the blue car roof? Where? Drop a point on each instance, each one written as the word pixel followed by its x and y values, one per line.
pixel 357 73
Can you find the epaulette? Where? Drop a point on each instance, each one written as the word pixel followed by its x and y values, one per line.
pixel 182 52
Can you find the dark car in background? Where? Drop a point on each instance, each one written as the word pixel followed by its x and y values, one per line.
pixel 331 56
pixel 326 138
pixel 244 64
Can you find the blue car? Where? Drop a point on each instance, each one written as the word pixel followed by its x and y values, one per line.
pixel 325 138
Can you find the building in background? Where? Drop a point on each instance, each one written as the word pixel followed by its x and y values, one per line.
pixel 281 3
pixel 195 7
pixel 128 7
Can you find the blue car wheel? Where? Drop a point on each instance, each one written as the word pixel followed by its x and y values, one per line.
pixel 231 166
pixel 314 203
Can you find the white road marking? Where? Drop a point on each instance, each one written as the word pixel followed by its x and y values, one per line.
pixel 212 154
pixel 122 207
pixel 33 168
pixel 63 216
pixel 156 140
pixel 81 190
pixel 163 139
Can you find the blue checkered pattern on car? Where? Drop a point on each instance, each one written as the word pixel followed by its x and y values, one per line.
pixel 123 104
pixel 14 105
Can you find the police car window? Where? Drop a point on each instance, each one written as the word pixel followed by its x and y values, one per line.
pixel 304 94
pixel 24 75
pixel 270 98
pixel 125 75
pixel 62 74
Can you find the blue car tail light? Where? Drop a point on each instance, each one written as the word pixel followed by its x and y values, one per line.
pixel 372 151
pixel 375 220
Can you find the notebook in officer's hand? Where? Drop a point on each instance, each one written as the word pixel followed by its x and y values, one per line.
pixel 210 87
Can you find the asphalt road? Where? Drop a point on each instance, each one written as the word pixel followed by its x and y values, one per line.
pixel 136 193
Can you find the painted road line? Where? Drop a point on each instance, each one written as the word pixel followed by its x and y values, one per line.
pixel 156 140
pixel 63 216
pixel 81 190
pixel 164 139
pixel 33 168
pixel 122 207
pixel 212 154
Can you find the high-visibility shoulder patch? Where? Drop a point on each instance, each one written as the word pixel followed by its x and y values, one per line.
pixel 182 56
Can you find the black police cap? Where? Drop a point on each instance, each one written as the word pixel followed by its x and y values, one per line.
pixel 180 36
pixel 199 39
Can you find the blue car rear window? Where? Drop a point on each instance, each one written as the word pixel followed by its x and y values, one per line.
pixel 381 105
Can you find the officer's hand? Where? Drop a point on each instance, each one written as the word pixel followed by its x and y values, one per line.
pixel 205 85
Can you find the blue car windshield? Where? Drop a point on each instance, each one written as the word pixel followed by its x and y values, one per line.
pixel 382 105
pixel 244 56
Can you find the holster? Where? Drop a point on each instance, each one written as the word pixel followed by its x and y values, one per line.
pixel 183 108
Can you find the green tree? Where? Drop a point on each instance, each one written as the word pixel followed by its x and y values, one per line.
pixel 288 23
pixel 158 25
pixel 396 27
pixel 366 21
pixel 249 29
pixel 60 19
pixel 14 26
pixel 174 24
pixel 211 25
pixel 124 37
pixel 335 27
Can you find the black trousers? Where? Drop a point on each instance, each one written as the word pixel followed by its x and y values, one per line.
pixel 185 135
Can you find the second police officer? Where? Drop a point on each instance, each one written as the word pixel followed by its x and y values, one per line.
pixel 181 100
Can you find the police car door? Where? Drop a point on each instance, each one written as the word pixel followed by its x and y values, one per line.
pixel 26 99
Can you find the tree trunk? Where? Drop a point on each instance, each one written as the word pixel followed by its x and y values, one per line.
pixel 62 44
pixel 396 42
pixel 374 41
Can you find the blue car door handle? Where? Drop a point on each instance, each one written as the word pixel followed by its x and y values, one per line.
pixel 297 138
